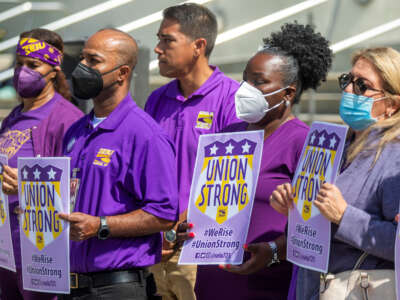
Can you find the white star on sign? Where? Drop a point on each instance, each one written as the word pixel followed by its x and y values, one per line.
pixel 52 174
pixel 321 140
pixel 36 174
pixel 332 142
pixel 229 148
pixel 246 148
pixel 312 138
pixel 25 174
pixel 213 150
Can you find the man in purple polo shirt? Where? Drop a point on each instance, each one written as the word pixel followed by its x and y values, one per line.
pixel 125 189
pixel 199 101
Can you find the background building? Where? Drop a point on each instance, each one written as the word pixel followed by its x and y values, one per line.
pixel 242 25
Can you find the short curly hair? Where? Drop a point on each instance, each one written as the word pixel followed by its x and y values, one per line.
pixel 305 53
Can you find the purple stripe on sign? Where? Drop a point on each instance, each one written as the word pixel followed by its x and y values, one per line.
pixel 37 173
pixel 230 147
pixel 322 139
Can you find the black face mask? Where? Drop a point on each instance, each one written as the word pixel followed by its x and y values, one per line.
pixel 87 82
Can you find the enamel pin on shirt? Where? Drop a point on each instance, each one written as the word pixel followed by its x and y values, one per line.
pixel 75 182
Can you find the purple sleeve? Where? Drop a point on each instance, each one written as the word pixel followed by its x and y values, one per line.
pixel 375 234
pixel 48 136
pixel 66 139
pixel 70 118
pixel 150 105
pixel 377 237
pixel 229 116
pixel 4 123
pixel 153 177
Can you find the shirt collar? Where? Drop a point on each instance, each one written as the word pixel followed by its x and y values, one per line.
pixel 174 92
pixel 115 117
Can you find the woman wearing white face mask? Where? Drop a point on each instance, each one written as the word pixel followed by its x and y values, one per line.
pixel 293 60
pixel 363 203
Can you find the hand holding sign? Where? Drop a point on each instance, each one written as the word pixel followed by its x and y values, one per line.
pixel 182 235
pixel 261 254
pixel 282 198
pixel 330 203
pixel 82 226
pixel 261 257
pixel 10 180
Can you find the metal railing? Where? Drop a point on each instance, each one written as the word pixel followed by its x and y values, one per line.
pixel 29 6
pixel 256 24
pixel 366 35
pixel 85 14
pixel 222 38
pixel 157 16
pixel 343 45
pixel 71 19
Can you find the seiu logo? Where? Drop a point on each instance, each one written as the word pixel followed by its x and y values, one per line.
pixel 103 157
pixel 204 119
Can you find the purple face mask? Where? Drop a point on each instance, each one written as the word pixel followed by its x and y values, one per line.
pixel 28 83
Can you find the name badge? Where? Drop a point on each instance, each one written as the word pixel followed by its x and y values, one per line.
pixel 74 188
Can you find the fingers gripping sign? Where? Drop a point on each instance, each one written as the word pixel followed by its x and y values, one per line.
pixel 10 180
pixel 261 254
pixel 330 203
pixel 282 198
pixel 82 226
pixel 173 240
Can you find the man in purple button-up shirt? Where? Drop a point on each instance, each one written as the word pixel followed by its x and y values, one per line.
pixel 124 166
pixel 199 101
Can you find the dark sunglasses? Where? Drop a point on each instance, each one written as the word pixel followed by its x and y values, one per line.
pixel 359 85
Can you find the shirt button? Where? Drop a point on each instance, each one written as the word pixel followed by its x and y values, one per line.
pixel 83 156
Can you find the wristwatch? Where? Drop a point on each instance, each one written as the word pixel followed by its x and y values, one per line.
pixel 170 236
pixel 274 259
pixel 104 230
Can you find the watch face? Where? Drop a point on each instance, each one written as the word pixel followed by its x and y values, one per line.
pixel 104 233
pixel 170 236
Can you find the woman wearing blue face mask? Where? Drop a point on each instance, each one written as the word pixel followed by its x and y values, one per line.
pixel 364 201
pixel 294 59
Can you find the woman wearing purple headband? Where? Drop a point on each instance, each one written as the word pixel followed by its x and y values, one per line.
pixel 35 127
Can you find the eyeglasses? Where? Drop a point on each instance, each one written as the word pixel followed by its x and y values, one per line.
pixel 359 85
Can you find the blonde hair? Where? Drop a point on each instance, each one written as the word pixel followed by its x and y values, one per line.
pixel 386 61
